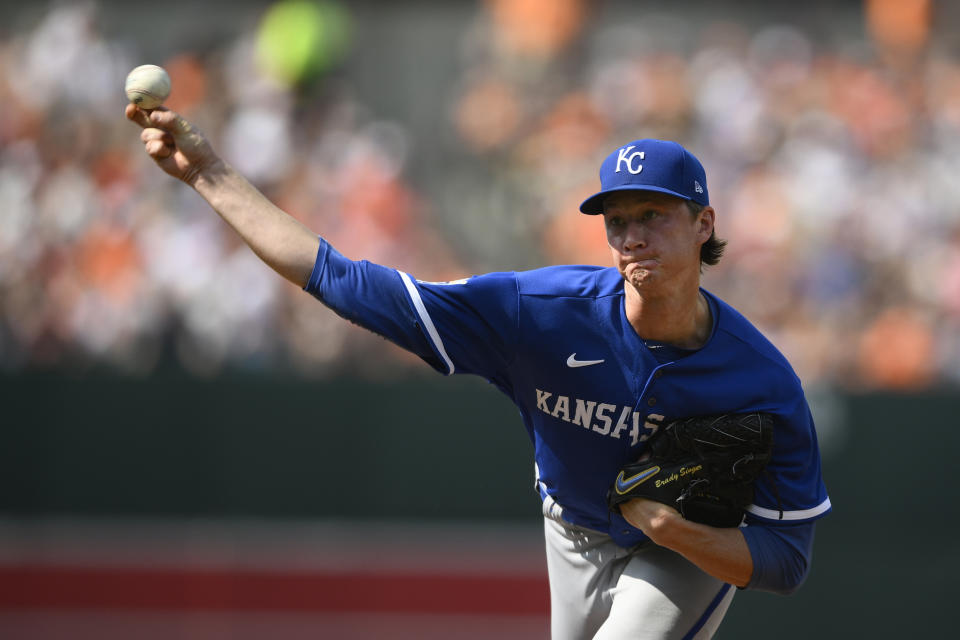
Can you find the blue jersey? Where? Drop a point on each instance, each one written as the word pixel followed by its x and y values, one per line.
pixel 590 391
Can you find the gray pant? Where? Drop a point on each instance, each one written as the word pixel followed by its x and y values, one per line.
pixel 602 591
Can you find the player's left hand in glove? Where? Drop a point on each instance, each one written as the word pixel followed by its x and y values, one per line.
pixel 703 466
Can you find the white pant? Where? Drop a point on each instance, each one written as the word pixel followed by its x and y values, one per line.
pixel 602 591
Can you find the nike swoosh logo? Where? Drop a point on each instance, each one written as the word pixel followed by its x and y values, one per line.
pixel 573 362
pixel 624 485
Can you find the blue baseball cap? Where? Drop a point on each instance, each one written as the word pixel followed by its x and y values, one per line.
pixel 650 165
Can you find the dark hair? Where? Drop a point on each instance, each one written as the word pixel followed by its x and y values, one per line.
pixel 712 250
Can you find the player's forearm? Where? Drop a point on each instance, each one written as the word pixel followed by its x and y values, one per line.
pixel 723 553
pixel 279 239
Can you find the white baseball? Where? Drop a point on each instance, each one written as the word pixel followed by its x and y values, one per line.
pixel 147 86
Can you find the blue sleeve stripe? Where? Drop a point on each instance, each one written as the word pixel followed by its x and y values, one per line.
pixel 802 514
pixel 427 321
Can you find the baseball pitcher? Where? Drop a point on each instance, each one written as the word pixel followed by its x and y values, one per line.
pixel 675 454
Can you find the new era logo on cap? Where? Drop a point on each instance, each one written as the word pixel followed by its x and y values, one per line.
pixel 650 165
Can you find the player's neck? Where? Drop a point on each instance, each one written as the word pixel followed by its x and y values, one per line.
pixel 683 320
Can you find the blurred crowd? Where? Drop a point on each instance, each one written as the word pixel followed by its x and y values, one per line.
pixel 832 162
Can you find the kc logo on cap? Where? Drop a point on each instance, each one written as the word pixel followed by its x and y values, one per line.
pixel 650 165
pixel 628 159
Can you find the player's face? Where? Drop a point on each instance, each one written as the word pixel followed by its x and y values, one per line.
pixel 655 239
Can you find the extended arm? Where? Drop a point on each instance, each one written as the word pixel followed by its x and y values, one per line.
pixel 182 151
pixel 390 303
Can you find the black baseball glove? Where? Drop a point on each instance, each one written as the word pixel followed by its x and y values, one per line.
pixel 703 466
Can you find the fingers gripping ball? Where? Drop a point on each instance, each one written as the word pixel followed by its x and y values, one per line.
pixel 703 466
pixel 147 86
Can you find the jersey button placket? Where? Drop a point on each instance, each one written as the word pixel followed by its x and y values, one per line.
pixel 652 400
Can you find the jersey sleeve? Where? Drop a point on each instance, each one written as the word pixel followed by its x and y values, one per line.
pixel 370 296
pixel 791 488
pixel 466 326
pixel 781 556
pixel 472 324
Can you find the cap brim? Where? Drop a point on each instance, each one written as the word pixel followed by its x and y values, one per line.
pixel 593 205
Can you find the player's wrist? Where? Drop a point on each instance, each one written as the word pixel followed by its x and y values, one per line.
pixel 658 521
pixel 667 528
pixel 208 176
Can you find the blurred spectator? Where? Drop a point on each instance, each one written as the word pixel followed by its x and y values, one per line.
pixel 897 351
pixel 832 168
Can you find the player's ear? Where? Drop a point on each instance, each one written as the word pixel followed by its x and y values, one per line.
pixel 705 222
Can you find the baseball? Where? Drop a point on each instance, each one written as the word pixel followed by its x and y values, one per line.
pixel 147 86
